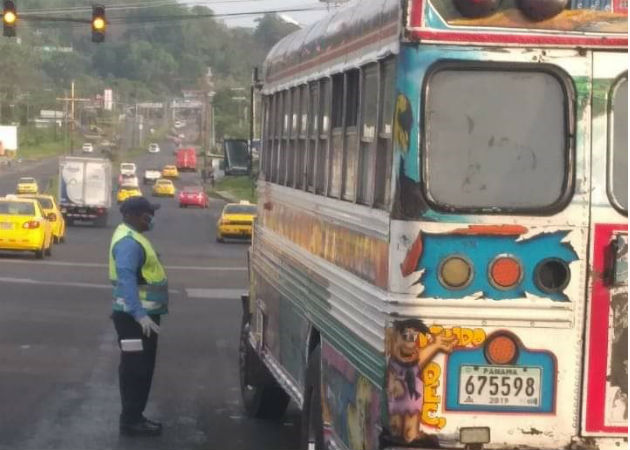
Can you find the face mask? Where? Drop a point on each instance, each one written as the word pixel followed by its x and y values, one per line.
pixel 150 221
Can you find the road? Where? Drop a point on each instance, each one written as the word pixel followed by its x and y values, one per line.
pixel 58 351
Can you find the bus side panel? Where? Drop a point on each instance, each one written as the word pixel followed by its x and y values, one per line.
pixel 283 330
pixel 351 404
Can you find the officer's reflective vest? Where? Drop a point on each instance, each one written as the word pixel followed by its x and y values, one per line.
pixel 152 281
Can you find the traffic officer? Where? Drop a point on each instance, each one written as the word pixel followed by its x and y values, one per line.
pixel 140 298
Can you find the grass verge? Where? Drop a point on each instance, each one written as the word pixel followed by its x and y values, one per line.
pixel 241 188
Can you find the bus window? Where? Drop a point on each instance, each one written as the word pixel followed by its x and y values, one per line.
pixel 267 138
pixel 286 128
pixel 618 184
pixel 292 147
pixel 322 148
pixel 369 107
pixel 301 141
pixel 384 145
pixel 479 157
pixel 350 146
pixel 278 140
pixel 336 160
pixel 313 131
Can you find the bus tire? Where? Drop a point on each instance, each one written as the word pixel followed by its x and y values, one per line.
pixel 263 398
pixel 312 426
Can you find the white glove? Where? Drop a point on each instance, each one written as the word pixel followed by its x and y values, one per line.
pixel 148 325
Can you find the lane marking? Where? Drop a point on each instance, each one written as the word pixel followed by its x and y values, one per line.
pixel 64 284
pixel 216 294
pixel 100 265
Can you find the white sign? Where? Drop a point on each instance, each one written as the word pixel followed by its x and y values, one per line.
pixel 108 100
pixel 8 139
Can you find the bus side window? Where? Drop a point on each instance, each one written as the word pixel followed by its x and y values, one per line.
pixel 336 160
pixel 275 162
pixel 618 146
pixel 292 147
pixel 284 146
pixel 369 108
pixel 313 131
pixel 323 148
pixel 301 141
pixel 384 144
pixel 268 137
pixel 351 142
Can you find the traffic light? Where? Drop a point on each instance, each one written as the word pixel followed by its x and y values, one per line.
pixel 99 24
pixel 9 18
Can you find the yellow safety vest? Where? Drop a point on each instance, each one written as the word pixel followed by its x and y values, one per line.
pixel 152 281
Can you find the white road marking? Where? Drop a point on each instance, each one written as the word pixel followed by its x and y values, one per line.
pixel 64 284
pixel 216 294
pixel 100 265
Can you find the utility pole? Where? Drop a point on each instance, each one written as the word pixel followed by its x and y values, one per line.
pixel 71 100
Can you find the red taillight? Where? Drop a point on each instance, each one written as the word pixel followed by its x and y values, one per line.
pixel 31 224
pixel 52 217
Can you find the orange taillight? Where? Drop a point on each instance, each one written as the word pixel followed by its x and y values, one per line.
pixel 501 349
pixel 31 224
pixel 455 272
pixel 505 272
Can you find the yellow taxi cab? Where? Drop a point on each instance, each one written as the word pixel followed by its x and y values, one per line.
pixel 236 221
pixel 27 185
pixel 170 172
pixel 163 187
pixel 24 227
pixel 126 192
pixel 52 213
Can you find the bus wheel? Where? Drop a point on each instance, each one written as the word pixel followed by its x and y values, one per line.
pixel 312 429
pixel 263 398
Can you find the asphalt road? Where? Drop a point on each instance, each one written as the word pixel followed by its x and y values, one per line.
pixel 58 352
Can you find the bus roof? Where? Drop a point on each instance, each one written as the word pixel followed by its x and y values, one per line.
pixel 365 31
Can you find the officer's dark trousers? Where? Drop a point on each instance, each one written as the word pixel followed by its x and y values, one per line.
pixel 135 371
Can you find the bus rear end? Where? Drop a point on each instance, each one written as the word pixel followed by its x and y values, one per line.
pixel 508 254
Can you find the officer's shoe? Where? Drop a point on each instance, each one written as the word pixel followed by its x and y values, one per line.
pixel 143 428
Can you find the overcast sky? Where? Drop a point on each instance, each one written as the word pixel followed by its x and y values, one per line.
pixel 237 6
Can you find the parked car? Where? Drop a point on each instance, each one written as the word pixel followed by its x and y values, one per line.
pixel 193 196
pixel 87 148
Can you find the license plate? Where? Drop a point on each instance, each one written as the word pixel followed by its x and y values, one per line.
pixel 6 226
pixel 500 386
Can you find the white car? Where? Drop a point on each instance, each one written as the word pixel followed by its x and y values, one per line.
pixel 151 176
pixel 128 181
pixel 88 148
pixel 179 124
pixel 127 169
pixel 154 148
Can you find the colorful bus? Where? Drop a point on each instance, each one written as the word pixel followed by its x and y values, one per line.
pixel 440 255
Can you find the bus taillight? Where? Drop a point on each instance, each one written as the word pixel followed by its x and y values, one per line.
pixel 505 272
pixel 501 349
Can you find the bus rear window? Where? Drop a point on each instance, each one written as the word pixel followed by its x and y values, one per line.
pixel 618 184
pixel 495 140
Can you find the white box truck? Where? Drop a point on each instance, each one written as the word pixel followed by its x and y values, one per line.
pixel 85 189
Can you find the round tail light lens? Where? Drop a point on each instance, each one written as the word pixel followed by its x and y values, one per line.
pixel 505 272
pixel 552 275
pixel 501 349
pixel 455 272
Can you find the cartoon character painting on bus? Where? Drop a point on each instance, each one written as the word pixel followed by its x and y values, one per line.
pixel 407 373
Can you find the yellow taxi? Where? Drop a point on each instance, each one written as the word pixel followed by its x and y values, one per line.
pixel 236 221
pixel 170 172
pixel 27 185
pixel 23 226
pixel 126 192
pixel 163 187
pixel 52 213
